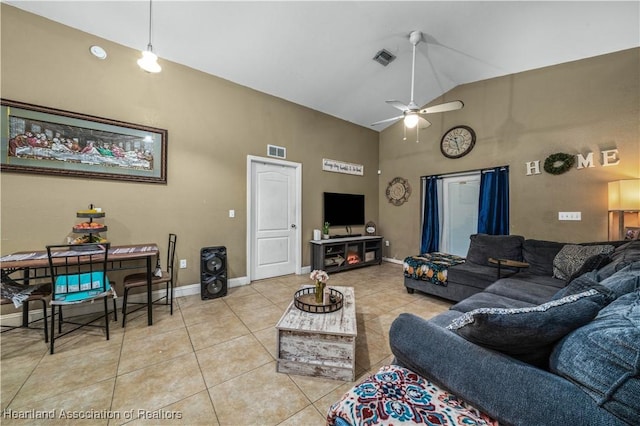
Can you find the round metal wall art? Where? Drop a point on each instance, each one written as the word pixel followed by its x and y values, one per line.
pixel 398 191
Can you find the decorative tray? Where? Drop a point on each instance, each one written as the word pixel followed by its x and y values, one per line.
pixel 305 300
pixel 90 230
pixel 89 214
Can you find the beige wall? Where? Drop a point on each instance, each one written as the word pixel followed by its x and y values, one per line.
pixel 212 125
pixel 578 107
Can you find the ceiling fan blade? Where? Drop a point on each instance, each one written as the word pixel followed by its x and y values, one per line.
pixel 449 106
pixel 424 123
pixel 388 120
pixel 397 104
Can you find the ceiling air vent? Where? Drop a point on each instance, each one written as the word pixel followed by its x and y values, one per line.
pixel 276 151
pixel 384 57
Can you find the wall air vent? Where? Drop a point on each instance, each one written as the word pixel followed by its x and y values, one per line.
pixel 276 151
pixel 384 57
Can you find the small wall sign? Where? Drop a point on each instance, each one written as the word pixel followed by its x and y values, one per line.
pixel 342 167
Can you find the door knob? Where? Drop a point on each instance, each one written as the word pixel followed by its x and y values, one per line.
pixel 293 226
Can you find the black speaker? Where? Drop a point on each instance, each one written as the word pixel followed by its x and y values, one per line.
pixel 213 272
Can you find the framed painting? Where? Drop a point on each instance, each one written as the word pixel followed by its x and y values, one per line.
pixel 632 233
pixel 49 141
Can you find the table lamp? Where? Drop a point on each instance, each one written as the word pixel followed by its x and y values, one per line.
pixel 624 200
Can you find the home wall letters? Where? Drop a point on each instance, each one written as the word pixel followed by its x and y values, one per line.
pixel 609 157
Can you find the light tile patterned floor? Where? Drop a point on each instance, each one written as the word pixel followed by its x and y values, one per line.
pixel 212 362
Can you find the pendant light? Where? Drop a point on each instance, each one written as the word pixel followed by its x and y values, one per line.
pixel 149 60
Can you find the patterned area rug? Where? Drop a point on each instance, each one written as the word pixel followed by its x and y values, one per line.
pixel 395 395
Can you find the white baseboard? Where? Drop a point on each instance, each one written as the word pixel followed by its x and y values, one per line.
pixel 15 318
pixel 398 261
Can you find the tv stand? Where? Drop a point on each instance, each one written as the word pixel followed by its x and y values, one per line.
pixel 343 253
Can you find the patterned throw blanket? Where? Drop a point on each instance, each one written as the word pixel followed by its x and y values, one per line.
pixel 395 395
pixel 431 267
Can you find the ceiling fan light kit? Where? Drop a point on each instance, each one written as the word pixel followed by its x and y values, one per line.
pixel 149 60
pixel 411 113
pixel 411 120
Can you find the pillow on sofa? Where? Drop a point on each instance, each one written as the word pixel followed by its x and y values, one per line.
pixel 625 280
pixel 528 333
pixel 571 257
pixel 621 257
pixel 593 263
pixel 484 246
pixel 603 357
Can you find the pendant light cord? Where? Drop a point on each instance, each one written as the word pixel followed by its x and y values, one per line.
pixel 149 47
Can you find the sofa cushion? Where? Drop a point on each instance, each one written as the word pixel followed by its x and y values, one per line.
pixel 625 280
pixel 470 274
pixel 603 357
pixel 621 257
pixel 572 256
pixel 530 291
pixel 484 246
pixel 528 333
pixel 539 254
pixel 488 300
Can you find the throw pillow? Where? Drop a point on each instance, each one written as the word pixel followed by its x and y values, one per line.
pixel 593 263
pixel 603 358
pixel 572 256
pixel 529 333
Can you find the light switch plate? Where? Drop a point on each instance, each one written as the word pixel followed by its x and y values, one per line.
pixel 569 215
pixel 232 213
pixel 183 263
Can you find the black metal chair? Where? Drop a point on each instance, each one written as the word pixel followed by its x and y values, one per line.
pixel 25 294
pixel 78 275
pixel 166 277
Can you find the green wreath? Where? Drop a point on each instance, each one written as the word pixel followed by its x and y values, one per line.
pixel 559 163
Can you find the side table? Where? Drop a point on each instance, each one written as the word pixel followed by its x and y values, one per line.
pixel 509 263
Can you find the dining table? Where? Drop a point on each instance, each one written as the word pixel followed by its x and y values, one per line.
pixel 35 265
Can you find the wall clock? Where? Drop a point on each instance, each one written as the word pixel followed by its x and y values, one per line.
pixel 458 142
pixel 398 191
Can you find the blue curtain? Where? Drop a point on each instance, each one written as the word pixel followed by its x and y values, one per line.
pixel 430 224
pixel 493 215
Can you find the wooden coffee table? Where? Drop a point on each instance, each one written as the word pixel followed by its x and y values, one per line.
pixel 319 345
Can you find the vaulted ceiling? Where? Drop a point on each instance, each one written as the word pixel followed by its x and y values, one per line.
pixel 319 54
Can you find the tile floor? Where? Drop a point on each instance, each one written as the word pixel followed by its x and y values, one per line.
pixel 212 362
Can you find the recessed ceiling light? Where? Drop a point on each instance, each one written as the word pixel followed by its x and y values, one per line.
pixel 98 52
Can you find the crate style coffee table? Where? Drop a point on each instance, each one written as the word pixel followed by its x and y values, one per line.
pixel 319 345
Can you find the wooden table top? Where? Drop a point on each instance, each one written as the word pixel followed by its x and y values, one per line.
pixel 341 322
pixel 509 262
pixel 39 259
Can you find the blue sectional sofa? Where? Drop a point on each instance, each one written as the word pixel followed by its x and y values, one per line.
pixel 555 344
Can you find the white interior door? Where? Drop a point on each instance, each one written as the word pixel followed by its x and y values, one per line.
pixel 460 198
pixel 274 217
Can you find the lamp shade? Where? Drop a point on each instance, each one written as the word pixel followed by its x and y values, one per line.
pixel 624 195
pixel 149 62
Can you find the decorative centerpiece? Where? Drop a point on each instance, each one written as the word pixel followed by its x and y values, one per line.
pixel 315 299
pixel 321 278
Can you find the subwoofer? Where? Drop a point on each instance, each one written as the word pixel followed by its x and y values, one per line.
pixel 213 272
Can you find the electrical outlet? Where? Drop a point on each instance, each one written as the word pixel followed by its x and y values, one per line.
pixel 183 263
pixel 386 243
pixel 232 213
pixel 569 215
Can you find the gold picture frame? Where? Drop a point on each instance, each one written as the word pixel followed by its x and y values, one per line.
pixel 43 140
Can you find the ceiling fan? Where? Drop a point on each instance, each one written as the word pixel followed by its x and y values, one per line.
pixel 412 113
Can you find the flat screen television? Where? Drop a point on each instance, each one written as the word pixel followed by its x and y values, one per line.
pixel 343 209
